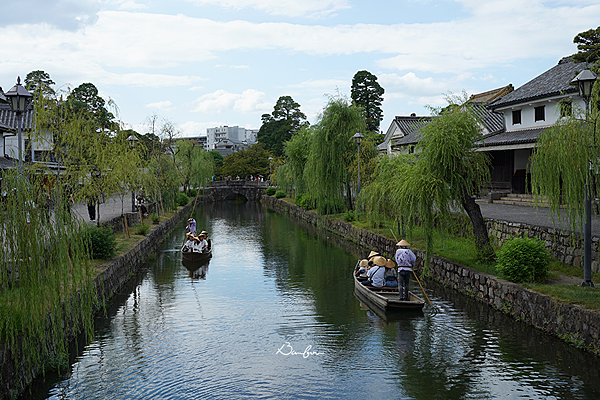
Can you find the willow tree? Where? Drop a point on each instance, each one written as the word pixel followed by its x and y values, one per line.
pixel 290 176
pixel 195 165
pixel 329 165
pixel 446 175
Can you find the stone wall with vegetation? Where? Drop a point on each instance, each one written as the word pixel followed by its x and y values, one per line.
pixel 567 247
pixel 117 273
pixel 573 324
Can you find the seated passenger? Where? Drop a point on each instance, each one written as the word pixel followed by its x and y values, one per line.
pixel 207 240
pixel 189 243
pixel 361 269
pixel 372 254
pixel 376 273
pixel 390 274
pixel 202 243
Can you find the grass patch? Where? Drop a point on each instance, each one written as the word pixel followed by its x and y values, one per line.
pixel 587 297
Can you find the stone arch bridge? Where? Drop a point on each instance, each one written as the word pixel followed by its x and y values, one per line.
pixel 226 190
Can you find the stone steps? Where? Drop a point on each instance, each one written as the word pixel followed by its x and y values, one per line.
pixel 523 200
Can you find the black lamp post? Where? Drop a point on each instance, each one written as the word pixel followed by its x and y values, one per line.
pixel 585 82
pixel 19 101
pixel 357 139
pixel 132 139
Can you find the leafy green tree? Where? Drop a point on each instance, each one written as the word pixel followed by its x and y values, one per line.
pixel 244 163
pixel 368 94
pixel 588 46
pixel 85 97
pixel 39 82
pixel 447 174
pixel 329 167
pixel 196 166
pixel 278 127
pixel 290 176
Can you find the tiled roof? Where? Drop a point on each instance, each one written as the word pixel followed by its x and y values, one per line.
pixel 521 136
pixel 8 117
pixel 491 95
pixel 6 163
pixel 409 124
pixel 551 83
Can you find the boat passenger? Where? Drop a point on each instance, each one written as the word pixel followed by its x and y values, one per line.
pixel 372 254
pixel 189 243
pixel 376 273
pixel 390 274
pixel 196 246
pixel 207 240
pixel 361 270
pixel 406 261
pixel 191 226
pixel 202 243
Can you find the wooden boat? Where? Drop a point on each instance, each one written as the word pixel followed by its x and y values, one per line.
pixel 388 299
pixel 195 257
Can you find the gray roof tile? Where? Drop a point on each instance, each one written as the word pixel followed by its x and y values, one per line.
pixel 551 83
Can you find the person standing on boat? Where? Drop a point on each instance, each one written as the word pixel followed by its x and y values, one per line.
pixel 406 261
pixel 191 226
pixel 376 273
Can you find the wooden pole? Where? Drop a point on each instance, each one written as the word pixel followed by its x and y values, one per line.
pixel 414 274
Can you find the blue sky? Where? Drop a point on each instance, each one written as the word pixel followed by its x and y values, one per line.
pixel 206 63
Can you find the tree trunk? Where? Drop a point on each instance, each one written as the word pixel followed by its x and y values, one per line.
pixel 482 240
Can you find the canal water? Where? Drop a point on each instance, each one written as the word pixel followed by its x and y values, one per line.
pixel 273 316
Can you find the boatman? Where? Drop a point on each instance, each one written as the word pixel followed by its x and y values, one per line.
pixel 405 259
pixel 191 226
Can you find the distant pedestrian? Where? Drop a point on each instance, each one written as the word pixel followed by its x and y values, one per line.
pixel 91 206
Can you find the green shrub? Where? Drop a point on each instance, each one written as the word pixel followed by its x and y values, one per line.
pixel 270 191
pixel 181 199
pixel 192 193
pixel 331 207
pixel 306 201
pixel 523 260
pixel 102 241
pixel 349 216
pixel 280 194
pixel 155 218
pixel 143 229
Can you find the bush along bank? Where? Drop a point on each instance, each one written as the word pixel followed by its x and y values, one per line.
pixel 117 274
pixel 575 325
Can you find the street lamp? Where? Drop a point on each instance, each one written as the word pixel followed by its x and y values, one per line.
pixel 19 101
pixel 357 139
pixel 132 139
pixel 585 82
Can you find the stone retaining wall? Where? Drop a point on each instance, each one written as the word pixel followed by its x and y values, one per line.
pixel 573 324
pixel 107 284
pixel 565 246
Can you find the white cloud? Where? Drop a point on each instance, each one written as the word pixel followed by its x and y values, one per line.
pixel 220 101
pixel 193 128
pixel 63 14
pixel 287 8
pixel 161 105
pixel 131 5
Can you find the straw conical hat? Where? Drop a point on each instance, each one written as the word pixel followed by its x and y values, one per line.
pixel 378 260
pixel 372 254
pixel 402 243
pixel 364 263
pixel 390 263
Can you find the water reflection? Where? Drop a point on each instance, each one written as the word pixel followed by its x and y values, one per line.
pixel 176 334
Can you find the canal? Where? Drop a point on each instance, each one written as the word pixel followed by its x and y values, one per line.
pixel 273 316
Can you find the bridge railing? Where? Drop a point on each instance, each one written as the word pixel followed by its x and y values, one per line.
pixel 247 184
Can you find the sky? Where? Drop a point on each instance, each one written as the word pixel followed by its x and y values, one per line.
pixel 209 63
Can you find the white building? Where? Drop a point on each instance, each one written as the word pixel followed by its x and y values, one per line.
pixel 233 133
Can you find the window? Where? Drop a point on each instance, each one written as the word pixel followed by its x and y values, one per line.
pixel 540 113
pixel 516 117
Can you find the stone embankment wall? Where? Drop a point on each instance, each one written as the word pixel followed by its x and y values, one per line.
pixel 107 284
pixel 573 324
pixel 565 246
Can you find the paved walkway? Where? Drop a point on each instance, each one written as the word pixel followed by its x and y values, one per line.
pixel 538 216
pixel 110 209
